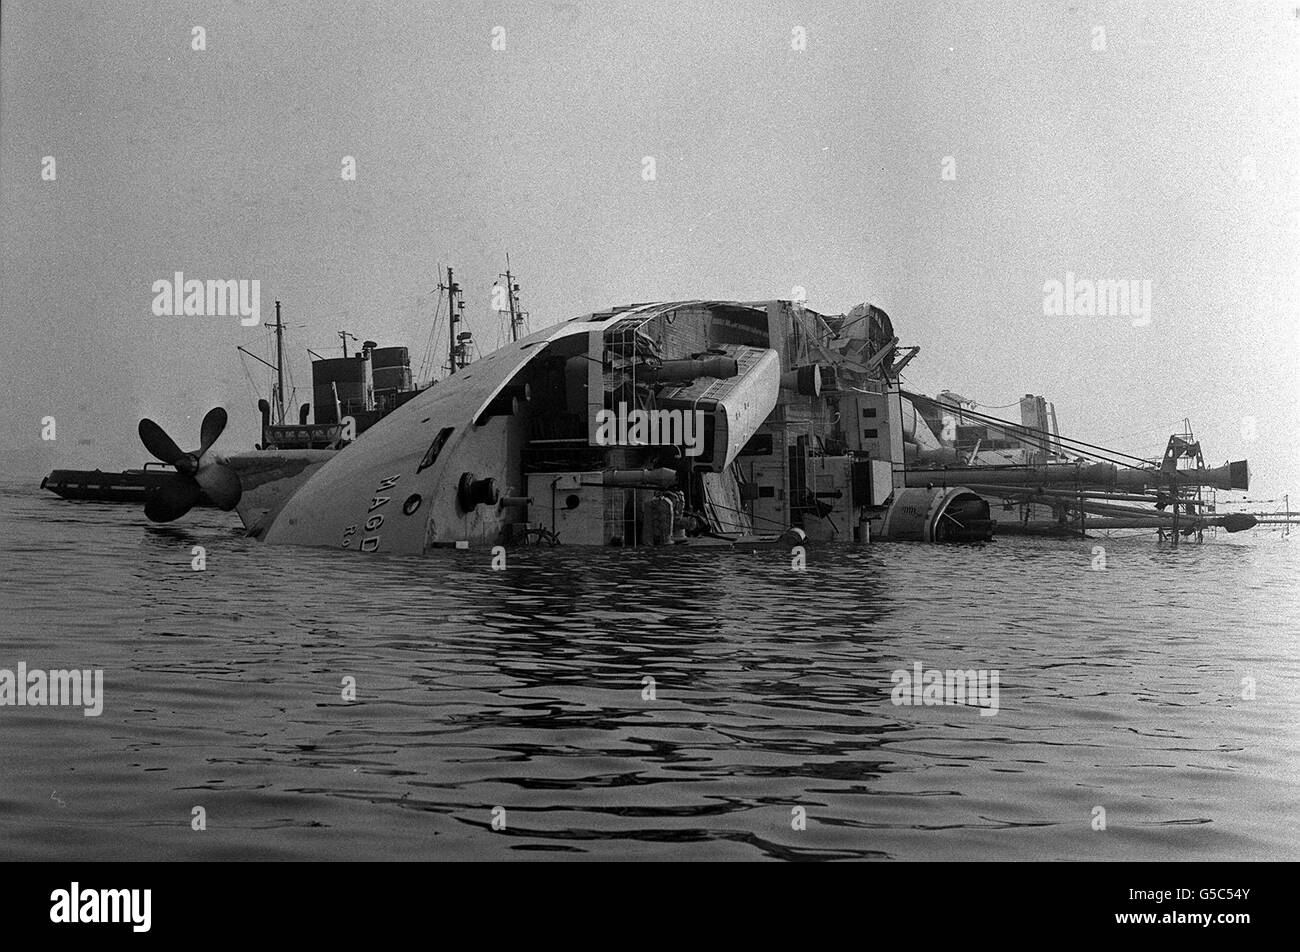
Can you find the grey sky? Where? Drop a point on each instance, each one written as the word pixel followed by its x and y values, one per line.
pixel 775 168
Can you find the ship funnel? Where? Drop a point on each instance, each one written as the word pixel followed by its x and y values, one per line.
pixel 1228 476
pixel 1235 475
pixel 806 380
pixel 937 514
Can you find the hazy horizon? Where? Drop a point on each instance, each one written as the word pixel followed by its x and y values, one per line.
pixel 1172 155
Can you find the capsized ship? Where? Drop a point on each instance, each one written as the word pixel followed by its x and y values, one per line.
pixel 690 422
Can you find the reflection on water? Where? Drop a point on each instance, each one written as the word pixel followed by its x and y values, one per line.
pixel 672 704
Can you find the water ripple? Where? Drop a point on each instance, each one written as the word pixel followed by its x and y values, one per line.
pixel 511 714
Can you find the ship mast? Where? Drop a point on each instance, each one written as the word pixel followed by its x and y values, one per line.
pixel 279 363
pixel 457 343
pixel 452 289
pixel 511 288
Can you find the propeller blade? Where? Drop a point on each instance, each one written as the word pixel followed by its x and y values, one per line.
pixel 221 483
pixel 157 442
pixel 213 424
pixel 173 498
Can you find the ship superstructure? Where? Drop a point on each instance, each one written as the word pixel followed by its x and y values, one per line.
pixel 698 422
pixel 553 437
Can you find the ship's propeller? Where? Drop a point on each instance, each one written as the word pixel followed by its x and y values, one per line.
pixel 172 499
pixel 196 473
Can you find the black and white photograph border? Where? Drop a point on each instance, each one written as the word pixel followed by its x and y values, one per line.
pixel 659 431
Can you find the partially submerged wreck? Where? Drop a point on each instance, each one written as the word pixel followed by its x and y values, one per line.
pixel 690 422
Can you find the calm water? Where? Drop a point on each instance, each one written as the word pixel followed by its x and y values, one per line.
pixel 523 689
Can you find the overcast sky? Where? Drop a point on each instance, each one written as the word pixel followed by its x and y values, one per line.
pixel 1170 155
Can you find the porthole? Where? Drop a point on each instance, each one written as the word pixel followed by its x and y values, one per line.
pixel 412 503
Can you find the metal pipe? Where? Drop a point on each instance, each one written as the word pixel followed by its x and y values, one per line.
pixel 683 371
pixel 989 489
pixel 1103 476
